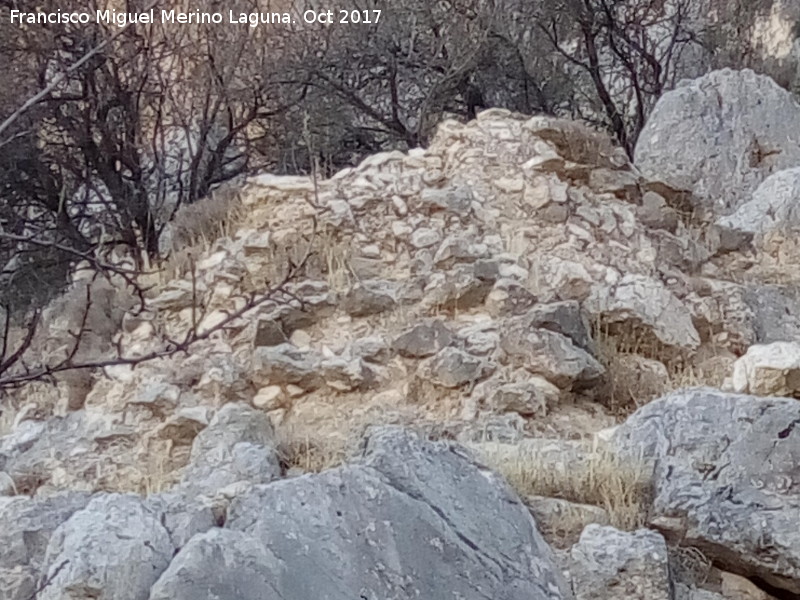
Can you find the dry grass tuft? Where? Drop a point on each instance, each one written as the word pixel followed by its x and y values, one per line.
pixel 620 486
pixel 195 227
pixel 335 252
pixel 298 448
pixel 7 416
pixel 640 369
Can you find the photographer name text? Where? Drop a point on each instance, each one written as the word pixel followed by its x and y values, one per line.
pixel 253 19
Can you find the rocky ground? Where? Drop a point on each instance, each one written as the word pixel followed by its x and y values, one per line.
pixel 513 365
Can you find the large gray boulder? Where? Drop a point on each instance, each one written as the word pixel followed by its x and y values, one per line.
pixel 720 136
pixel 184 514
pixel 646 303
pixel 223 564
pixel 726 478
pixel 27 525
pixel 412 519
pixel 114 549
pixel 238 446
pixel 608 564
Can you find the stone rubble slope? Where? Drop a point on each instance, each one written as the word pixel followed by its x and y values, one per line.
pixel 455 284
pixel 467 290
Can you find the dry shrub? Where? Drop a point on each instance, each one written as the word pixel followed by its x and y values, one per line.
pixel 334 252
pixel 299 448
pixel 195 227
pixel 635 375
pixel 707 373
pixel 640 369
pixel 619 485
pixel 8 413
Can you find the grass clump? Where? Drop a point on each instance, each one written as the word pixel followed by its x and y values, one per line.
pixel 300 449
pixel 195 227
pixel 620 485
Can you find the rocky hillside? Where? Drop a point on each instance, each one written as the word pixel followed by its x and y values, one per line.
pixel 455 393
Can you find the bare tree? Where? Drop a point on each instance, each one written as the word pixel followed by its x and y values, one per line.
pixel 354 89
pixel 628 49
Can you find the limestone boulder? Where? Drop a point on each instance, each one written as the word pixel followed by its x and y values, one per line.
pixel 551 355
pixel 775 310
pixel 370 297
pixel 286 364
pixel 115 548
pixel 720 136
pixel 453 368
pixel 398 524
pixel 237 446
pixel 774 205
pixel 725 477
pixel 608 564
pixel 644 302
pixel 28 525
pixel 423 340
pixel 221 563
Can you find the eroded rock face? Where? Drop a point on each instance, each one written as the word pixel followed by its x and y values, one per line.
pixel 397 525
pixel 221 563
pixel 423 340
pixel 370 297
pixel 776 312
pixel 725 477
pixel 638 298
pixel 720 136
pixel 453 368
pixel 551 355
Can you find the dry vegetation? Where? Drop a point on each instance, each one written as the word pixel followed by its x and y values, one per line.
pixel 298 448
pixel 196 227
pixel 334 252
pixel 641 369
pixel 621 486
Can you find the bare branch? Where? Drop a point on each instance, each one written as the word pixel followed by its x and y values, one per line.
pixel 62 76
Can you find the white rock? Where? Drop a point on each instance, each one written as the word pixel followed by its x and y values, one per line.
pixel 425 238
pixel 266 397
pixel 720 136
pixel 768 370
pixel 301 339
pixel 400 207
